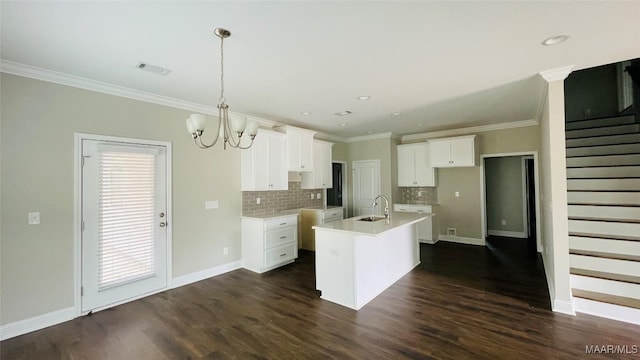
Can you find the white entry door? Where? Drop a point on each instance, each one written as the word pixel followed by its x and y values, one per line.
pixel 366 186
pixel 124 216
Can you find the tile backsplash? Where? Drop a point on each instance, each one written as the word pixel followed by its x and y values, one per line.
pixel 274 201
pixel 419 195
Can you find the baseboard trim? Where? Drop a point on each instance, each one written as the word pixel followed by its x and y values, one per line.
pixel 461 240
pixel 205 274
pixel 21 327
pixel 563 307
pixel 425 241
pixel 609 311
pixel 513 234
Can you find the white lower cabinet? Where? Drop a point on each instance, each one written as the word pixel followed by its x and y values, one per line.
pixel 268 243
pixel 428 230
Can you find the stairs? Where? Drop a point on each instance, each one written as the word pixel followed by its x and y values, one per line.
pixel 603 184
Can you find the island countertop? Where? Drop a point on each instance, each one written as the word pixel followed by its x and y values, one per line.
pixel 374 228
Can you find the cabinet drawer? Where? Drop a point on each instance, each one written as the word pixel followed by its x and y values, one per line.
pixel 412 208
pixel 280 223
pixel 280 237
pixel 332 213
pixel 280 254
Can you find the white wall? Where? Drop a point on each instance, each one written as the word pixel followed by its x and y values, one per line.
pixel 38 121
pixel 553 187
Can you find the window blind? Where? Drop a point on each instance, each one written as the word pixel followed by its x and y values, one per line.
pixel 126 215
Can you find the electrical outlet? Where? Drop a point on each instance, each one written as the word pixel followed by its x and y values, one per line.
pixel 213 204
pixel 34 218
pixel 504 222
pixel 318 196
pixel 451 231
pixel 419 193
pixel 311 196
pixel 457 193
pixel 258 201
pixel 225 250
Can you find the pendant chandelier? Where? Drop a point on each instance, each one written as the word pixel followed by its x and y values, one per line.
pixel 230 127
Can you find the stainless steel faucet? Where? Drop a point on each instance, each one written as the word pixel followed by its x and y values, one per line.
pixel 387 215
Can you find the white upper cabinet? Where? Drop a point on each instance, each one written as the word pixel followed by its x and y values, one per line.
pixel 264 164
pixel 299 149
pixel 453 152
pixel 414 168
pixel 322 175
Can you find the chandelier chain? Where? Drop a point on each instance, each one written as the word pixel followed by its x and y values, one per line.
pixel 222 69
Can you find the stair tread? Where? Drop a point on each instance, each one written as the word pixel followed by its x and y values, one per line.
pixel 605 275
pixel 603 161
pixel 602 140
pixel 604 236
pixel 604 255
pixel 607 298
pixel 607 130
pixel 601 118
pixel 603 219
pixel 630 144
pixel 594 155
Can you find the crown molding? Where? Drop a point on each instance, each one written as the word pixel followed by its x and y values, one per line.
pixel 468 130
pixel 556 74
pixel 33 72
pixel 330 137
pixel 385 135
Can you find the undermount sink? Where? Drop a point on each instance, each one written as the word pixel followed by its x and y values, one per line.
pixel 371 218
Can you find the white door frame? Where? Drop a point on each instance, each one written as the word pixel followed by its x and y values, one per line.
pixel 536 175
pixel 77 213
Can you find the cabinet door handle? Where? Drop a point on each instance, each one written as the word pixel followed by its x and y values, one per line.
pixel 283 223
pixel 283 237
pixel 285 254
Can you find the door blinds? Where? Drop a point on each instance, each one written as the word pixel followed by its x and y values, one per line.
pixel 127 180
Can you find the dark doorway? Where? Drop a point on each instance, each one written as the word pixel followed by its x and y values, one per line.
pixel 510 199
pixel 531 204
pixel 334 194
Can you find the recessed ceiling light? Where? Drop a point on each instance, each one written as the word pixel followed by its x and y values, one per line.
pixel 555 40
pixel 343 113
pixel 421 124
pixel 369 132
pixel 396 113
pixel 364 97
pixel 343 124
pixel 305 113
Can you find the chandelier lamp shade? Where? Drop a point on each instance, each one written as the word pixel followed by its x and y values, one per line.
pixel 231 127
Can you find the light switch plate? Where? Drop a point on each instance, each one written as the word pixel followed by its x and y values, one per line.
pixel 319 196
pixel 258 201
pixel 311 196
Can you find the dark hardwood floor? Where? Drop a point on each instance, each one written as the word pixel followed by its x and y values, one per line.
pixel 461 302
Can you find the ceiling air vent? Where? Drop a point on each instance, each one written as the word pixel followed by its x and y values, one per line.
pixel 152 68
pixel 343 113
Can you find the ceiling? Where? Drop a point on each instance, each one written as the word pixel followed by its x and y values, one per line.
pixel 442 65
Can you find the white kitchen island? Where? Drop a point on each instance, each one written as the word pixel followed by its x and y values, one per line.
pixel 357 260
